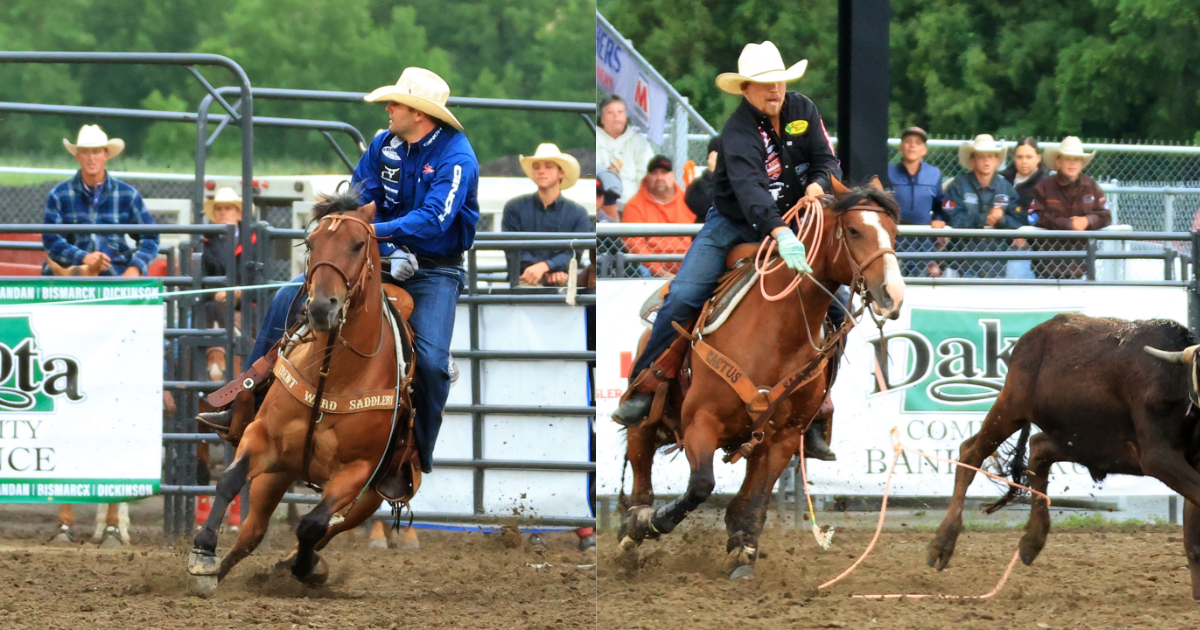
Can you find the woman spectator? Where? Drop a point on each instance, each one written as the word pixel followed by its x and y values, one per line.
pixel 1069 200
pixel 621 148
pixel 1024 173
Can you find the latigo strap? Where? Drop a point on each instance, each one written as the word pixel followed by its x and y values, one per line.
pixel 248 380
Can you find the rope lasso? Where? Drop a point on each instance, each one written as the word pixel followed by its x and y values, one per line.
pixel 813 222
pixel 897 448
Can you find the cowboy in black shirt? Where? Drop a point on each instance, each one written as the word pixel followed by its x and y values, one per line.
pixel 774 155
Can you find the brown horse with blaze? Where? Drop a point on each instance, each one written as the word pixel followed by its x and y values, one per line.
pixel 777 352
pixel 337 407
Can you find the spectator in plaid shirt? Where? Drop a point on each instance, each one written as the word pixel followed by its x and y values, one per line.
pixel 95 197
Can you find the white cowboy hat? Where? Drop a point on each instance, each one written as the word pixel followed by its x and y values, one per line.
pixel 224 195
pixel 1071 146
pixel 983 143
pixel 549 152
pixel 760 63
pixel 420 89
pixel 93 137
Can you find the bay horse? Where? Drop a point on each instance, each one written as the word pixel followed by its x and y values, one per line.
pixel 338 414
pixel 760 344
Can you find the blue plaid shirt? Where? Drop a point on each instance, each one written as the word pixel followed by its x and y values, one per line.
pixel 112 202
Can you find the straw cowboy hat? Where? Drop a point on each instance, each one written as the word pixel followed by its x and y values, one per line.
pixel 760 63
pixel 224 195
pixel 421 90
pixel 549 152
pixel 93 137
pixel 983 143
pixel 1071 146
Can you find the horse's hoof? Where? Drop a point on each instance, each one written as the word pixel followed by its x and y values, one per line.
pixel 378 543
pixel 628 544
pixel 319 574
pixel 937 557
pixel 111 537
pixel 202 585
pixel 287 561
pixel 65 535
pixel 744 572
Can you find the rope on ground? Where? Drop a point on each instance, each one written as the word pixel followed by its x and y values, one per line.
pixel 897 448
pixel 824 538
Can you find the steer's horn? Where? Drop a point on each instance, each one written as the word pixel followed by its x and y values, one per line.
pixel 1183 357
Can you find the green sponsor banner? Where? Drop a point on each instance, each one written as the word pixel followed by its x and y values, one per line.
pixel 131 292
pixel 957 359
pixel 76 490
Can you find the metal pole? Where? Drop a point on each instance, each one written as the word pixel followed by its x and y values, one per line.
pixel 476 386
pixel 679 137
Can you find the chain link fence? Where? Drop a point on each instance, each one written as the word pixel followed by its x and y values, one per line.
pixel 1112 254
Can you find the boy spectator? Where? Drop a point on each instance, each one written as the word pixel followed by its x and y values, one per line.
pixel 981 199
pixel 659 200
pixel 621 148
pixel 1069 200
pixel 699 195
pixel 92 196
pixel 918 189
pixel 545 211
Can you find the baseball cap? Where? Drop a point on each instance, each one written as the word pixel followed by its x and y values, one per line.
pixel 660 161
pixel 609 185
pixel 915 131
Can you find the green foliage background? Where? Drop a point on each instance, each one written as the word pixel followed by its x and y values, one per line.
pixel 1123 69
pixel 527 49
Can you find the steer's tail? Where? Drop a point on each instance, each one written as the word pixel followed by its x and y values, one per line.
pixel 1016 462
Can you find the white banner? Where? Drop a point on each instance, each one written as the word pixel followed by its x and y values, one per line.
pixel 617 72
pixel 947 359
pixel 80 392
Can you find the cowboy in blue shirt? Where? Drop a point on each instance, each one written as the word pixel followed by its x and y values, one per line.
pixel 422 178
pixel 93 196
pixel 917 186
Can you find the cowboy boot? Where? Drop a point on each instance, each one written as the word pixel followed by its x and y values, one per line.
pixel 230 423
pixel 815 446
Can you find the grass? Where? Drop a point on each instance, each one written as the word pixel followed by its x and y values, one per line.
pixel 215 166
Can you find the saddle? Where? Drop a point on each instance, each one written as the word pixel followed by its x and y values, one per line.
pixel 739 278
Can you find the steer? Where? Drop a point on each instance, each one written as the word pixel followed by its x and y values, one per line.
pixel 1100 402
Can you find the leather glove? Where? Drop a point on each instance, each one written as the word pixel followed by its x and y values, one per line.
pixel 404 265
pixel 792 251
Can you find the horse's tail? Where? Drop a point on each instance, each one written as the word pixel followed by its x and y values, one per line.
pixel 1017 467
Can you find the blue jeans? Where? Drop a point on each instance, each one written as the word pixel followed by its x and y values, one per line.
pixel 435 294
pixel 701 271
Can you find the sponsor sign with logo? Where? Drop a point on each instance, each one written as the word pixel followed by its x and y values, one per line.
pixel 948 357
pixel 617 72
pixel 80 391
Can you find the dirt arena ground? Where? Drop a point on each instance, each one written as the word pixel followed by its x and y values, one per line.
pixel 455 580
pixel 1107 577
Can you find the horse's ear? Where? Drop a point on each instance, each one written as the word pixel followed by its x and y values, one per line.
pixel 839 188
pixel 875 183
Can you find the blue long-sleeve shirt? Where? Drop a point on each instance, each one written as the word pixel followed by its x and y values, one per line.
pixel 968 203
pixel 112 202
pixel 919 196
pixel 425 193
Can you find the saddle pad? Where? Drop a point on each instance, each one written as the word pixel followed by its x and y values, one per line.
pixel 726 302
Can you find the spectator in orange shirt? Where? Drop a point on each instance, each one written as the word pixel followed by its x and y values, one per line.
pixel 659 200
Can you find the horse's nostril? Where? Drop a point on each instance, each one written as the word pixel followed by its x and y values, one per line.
pixel 332 301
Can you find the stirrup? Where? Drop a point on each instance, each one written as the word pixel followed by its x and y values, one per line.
pixel 815 446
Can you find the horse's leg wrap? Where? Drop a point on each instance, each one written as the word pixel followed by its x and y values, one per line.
pixel 699 488
pixel 311 530
pixel 228 487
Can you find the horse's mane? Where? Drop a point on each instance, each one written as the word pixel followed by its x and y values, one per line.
pixel 336 203
pixel 866 195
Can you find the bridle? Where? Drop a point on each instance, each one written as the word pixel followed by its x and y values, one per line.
pixel 335 221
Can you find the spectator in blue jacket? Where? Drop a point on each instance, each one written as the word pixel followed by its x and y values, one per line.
pixel 981 199
pixel 93 196
pixel 918 190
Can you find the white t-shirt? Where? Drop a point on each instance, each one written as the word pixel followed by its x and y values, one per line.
pixel 627 155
